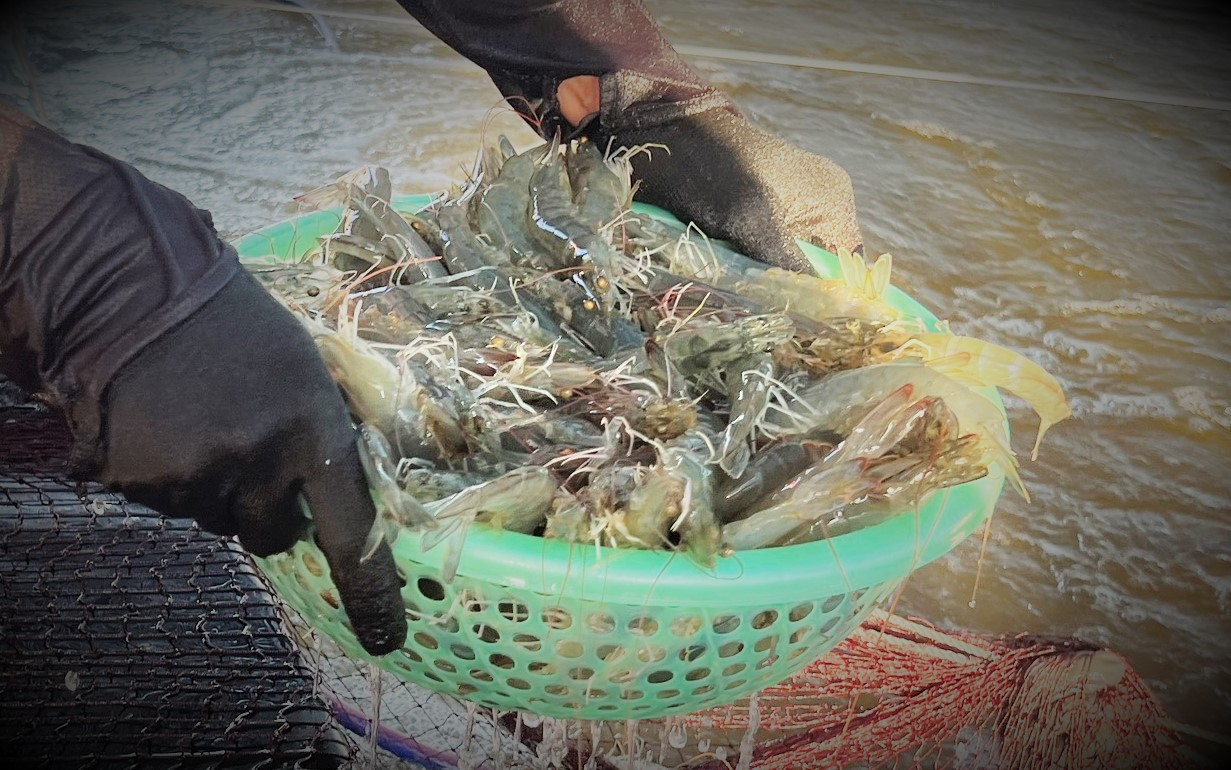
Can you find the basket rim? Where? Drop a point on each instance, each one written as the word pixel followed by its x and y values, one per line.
pixel 847 563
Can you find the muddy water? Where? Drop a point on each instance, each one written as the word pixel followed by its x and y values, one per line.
pixel 1088 233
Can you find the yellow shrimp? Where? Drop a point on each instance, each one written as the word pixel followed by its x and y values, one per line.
pixel 978 362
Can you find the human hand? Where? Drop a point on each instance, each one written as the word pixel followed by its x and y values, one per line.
pixel 744 185
pixel 705 163
pixel 186 386
pixel 605 70
pixel 229 418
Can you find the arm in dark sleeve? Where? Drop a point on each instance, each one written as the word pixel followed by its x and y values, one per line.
pixel 97 261
pixel 186 385
pixel 529 46
pixel 735 180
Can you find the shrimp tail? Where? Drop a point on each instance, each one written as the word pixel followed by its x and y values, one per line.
pixel 382 531
pixel 1003 457
pixel 735 456
pixel 452 533
pixel 871 283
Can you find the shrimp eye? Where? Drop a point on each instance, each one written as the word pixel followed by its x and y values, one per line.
pixel 314 291
pixel 590 304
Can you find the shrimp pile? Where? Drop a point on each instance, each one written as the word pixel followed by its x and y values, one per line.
pixel 530 353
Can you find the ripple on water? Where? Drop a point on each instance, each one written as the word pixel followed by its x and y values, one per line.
pixel 1186 310
pixel 1200 403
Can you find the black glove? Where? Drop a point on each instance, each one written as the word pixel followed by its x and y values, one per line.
pixel 229 418
pixel 185 384
pixel 735 181
pixel 740 183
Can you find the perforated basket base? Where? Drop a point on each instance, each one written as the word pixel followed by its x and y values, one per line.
pixel 127 640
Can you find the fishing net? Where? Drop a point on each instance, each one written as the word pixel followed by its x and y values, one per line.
pixel 133 640
pixel 129 639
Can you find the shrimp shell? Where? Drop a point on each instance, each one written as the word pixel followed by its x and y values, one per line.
pixel 978 362
pixel 838 401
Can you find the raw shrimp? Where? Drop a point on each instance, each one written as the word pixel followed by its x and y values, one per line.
pixel 569 520
pixel 833 344
pixel 601 193
pixel 498 211
pixel 358 253
pixel 810 296
pixel 748 383
pixel 701 345
pixel 654 505
pixel 978 362
pixel 518 501
pixel 821 495
pixel 860 293
pixel 651 386
pixel 310 286
pixel 420 260
pixel 368 180
pixel 606 499
pixel 884 426
pixel 640 401
pixel 903 483
pixel 429 483
pixel 767 472
pixel 369 380
pixel 556 226
pixel 837 402
pixel 369 216
pixel 531 374
pixel 396 510
pixel 690 458
pixel 427 422
pixel 878 434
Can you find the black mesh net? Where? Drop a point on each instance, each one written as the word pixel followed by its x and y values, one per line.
pixel 132 639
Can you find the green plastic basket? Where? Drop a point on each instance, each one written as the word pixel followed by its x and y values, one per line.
pixel 573 631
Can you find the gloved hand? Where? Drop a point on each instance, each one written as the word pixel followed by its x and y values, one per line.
pixel 606 71
pixel 186 386
pixel 741 184
pixel 229 418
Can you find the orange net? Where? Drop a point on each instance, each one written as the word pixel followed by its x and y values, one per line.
pixel 900 693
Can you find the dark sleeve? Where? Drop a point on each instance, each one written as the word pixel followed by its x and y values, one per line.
pixel 529 46
pixel 96 262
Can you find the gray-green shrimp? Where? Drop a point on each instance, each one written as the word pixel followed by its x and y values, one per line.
pixel 517 501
